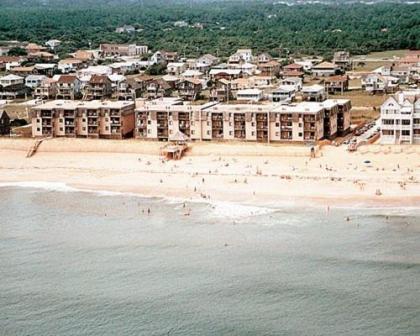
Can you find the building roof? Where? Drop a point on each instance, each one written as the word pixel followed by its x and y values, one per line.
pixel 11 77
pixel 325 65
pixel 74 104
pixel 66 79
pixel 99 79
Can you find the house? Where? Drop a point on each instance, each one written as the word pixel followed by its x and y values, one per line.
pixel 325 69
pixel 12 86
pixel 402 72
pixel 158 88
pixel 208 60
pixel 110 50
pixel 306 65
pixel 22 71
pixel 46 69
pixel 241 56
pixel 95 70
pixel 293 70
pixel 251 95
pixel 47 89
pixel 67 87
pixel 189 88
pixel 88 119
pixel 98 87
pixel 33 48
pixel 127 29
pixel 375 83
pixel 84 55
pixel 175 68
pixel 313 93
pixel 229 74
pixel 221 91
pixel 270 68
pixel 294 67
pixel 41 56
pixel 7 62
pixel 53 44
pixel 192 74
pixel 400 118
pixel 4 123
pixel 34 81
pixel 123 68
pixel 169 56
pixel 264 58
pixel 284 93
pixel 342 60
pixel 336 84
pixel 69 65
pixel 297 83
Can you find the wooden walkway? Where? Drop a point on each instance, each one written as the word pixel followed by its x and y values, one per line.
pixel 32 150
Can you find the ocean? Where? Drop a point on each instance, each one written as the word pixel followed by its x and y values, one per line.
pixel 92 263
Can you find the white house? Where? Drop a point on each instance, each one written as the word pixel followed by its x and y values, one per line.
pixel 296 82
pixel 34 81
pixel 251 95
pixel 52 44
pixel 325 69
pixel 400 118
pixel 284 93
pixel 11 80
pixel 176 68
pixel 313 93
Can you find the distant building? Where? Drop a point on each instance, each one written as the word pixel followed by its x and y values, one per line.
pixel 325 69
pixel 342 60
pixel 108 49
pixel 127 29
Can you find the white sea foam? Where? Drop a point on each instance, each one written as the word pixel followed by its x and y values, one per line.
pixel 51 186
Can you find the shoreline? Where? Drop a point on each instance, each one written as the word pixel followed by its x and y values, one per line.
pixel 218 172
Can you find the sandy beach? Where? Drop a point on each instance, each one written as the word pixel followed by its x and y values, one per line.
pixel 251 174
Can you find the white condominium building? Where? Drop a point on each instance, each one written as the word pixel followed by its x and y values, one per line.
pixel 400 118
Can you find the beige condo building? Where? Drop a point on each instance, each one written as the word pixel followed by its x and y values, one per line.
pixel 302 122
pixel 90 119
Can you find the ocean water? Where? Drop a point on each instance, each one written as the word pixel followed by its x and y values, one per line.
pixel 80 263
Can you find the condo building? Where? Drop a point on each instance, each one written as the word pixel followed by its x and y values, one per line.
pixel 89 119
pixel 303 122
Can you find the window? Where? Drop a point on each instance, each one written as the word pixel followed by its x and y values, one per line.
pixel 149 122
pixel 192 123
pixel 106 128
pixel 106 119
pixel 83 120
pixel 192 132
pixel 277 124
pixel 300 124
pixel 84 128
pixel 300 134
pixel 170 122
pixel 38 129
pixel 61 129
pixel 252 133
pixel 149 131
pixel 406 122
pixel 405 132
pixel 208 123
pixel 230 133
pixel 208 132
pixel 252 124
pixel 61 120
pixel 277 134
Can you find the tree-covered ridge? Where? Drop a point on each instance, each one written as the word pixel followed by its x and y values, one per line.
pixel 227 25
